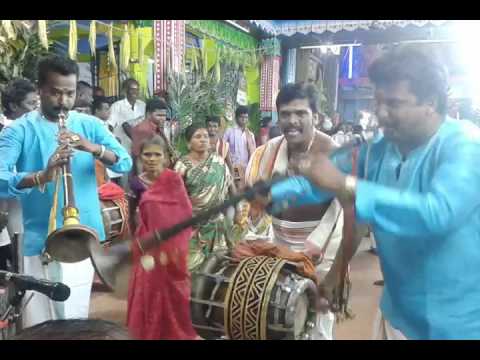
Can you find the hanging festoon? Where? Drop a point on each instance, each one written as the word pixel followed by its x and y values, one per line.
pixel 224 53
pixel 254 61
pixel 217 68
pixel 204 59
pixel 42 33
pixel 9 30
pixel 111 51
pixel 72 40
pixel 133 43
pixel 125 49
pixel 236 60
pixel 92 37
pixel 140 48
pixel 194 53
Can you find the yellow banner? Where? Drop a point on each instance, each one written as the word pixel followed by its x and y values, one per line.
pixel 72 40
pixel 92 37
pixel 42 33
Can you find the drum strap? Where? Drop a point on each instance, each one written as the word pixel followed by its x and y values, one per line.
pixel 343 280
pixel 324 248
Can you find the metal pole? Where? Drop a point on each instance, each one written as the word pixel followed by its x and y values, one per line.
pixel 17 265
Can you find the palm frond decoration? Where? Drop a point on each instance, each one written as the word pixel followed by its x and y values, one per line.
pixel 205 92
pixel 19 54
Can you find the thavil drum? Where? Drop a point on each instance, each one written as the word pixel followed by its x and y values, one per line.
pixel 258 298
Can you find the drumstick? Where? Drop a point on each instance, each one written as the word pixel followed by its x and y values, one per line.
pixel 261 188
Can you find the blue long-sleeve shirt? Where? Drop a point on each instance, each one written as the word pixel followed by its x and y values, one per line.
pixel 426 223
pixel 27 145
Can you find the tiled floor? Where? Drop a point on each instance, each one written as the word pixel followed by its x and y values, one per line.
pixel 364 298
pixel 363 301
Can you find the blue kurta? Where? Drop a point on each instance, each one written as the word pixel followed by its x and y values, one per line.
pixel 27 145
pixel 425 214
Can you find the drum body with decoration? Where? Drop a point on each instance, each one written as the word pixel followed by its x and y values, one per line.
pixel 114 220
pixel 115 212
pixel 258 298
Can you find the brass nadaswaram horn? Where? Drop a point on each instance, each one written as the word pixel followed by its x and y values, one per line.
pixel 70 243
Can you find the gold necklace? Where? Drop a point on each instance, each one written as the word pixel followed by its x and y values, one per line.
pixel 310 144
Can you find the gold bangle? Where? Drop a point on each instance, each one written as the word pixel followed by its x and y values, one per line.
pixel 350 187
pixel 35 180
pixel 41 187
pixel 101 154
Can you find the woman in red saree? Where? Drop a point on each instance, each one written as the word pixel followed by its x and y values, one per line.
pixel 158 300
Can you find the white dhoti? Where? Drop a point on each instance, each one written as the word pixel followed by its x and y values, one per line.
pixel 77 276
pixel 319 239
pixel 383 330
pixel 15 217
pixel 324 326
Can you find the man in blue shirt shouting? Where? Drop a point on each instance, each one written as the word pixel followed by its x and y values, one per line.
pixel 419 193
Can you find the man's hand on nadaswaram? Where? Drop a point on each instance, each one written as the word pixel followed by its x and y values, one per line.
pixel 75 141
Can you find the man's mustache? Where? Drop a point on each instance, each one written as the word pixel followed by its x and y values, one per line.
pixel 58 110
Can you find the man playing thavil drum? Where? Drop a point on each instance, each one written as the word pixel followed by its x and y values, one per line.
pixel 420 195
pixel 315 230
